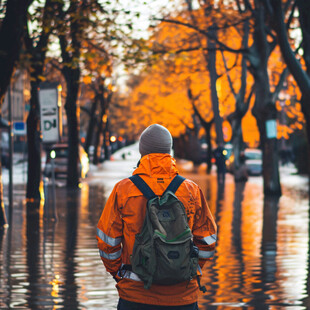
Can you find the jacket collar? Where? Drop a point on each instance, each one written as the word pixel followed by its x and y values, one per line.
pixel 157 164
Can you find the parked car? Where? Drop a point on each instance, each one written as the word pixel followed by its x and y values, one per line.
pixel 60 154
pixel 253 161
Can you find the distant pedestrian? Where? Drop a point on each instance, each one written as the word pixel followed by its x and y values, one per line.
pixel 220 161
pixel 241 172
pixel 127 218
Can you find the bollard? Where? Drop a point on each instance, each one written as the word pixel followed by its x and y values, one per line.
pixel 45 188
pixel 53 155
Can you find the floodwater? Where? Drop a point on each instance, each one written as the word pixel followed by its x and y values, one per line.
pixel 49 259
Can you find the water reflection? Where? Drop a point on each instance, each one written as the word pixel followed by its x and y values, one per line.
pixel 49 259
pixel 33 255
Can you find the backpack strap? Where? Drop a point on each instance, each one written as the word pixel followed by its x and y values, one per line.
pixel 175 183
pixel 142 186
pixel 146 190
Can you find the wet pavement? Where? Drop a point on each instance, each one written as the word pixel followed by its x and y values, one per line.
pixel 49 259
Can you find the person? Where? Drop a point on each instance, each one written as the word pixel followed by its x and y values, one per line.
pixel 241 174
pixel 220 161
pixel 123 216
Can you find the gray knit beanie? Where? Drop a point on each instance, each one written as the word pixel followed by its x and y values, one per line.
pixel 155 139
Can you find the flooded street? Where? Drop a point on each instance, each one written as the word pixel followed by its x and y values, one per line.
pixel 49 260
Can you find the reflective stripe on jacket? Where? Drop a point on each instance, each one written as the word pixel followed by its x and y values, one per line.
pixel 123 216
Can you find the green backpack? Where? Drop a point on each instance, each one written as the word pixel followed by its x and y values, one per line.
pixel 164 252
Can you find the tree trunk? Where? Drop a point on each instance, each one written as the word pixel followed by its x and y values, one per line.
pixel 11 35
pixel 99 140
pixel 38 55
pixel 237 141
pixel 211 59
pixel 91 125
pixel 72 76
pixel 270 158
pixel 300 75
pixel 264 109
pixel 3 219
pixel 106 141
pixel 207 128
pixel 242 106
pixel 306 111
pixel 70 44
pixel 104 103
pixel 34 146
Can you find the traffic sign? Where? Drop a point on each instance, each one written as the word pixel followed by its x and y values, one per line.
pixel 49 114
pixel 19 128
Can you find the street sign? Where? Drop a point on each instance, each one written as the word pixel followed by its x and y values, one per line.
pixel 19 129
pixel 271 128
pixel 49 114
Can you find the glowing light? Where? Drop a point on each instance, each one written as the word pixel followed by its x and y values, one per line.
pixel 53 154
pixel 113 139
pixel 55 285
pixel 104 118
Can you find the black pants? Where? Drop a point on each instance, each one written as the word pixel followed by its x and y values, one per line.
pixel 129 305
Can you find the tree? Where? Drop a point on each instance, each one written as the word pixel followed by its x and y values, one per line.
pixel 102 137
pixel 80 17
pixel 36 52
pixel 264 107
pixel 258 55
pixel 181 56
pixel 298 63
pixel 211 28
pixel 242 102
pixel 70 38
pixel 97 63
pixel 84 20
pixel 11 38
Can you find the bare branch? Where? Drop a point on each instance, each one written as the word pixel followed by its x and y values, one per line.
pixel 56 66
pixel 228 76
pixel 289 21
pixel 205 33
pixel 279 86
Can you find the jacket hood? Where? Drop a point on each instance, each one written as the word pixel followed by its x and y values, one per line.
pixel 157 164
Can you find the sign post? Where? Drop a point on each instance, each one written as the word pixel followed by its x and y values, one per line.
pixel 51 119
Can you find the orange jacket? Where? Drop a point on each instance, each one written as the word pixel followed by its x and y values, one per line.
pixel 123 216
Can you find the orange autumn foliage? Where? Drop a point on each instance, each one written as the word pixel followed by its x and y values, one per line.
pixel 161 92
